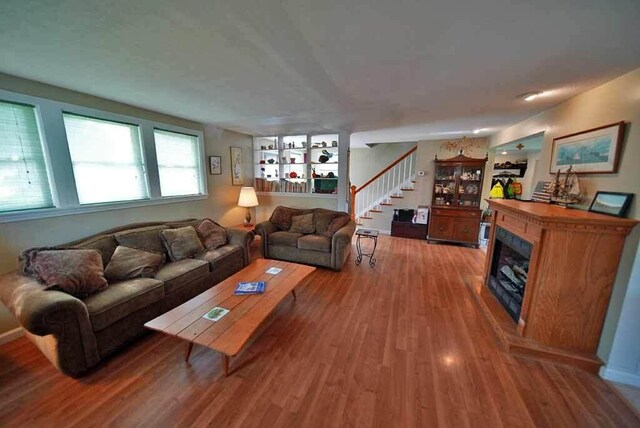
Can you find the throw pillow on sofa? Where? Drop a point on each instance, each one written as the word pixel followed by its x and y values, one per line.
pixel 181 243
pixel 211 234
pixel 281 217
pixel 76 272
pixel 302 224
pixel 337 224
pixel 129 263
pixel 323 219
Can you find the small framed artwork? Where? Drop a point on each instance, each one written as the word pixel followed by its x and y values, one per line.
pixel 215 165
pixel 611 203
pixel 237 177
pixel 595 151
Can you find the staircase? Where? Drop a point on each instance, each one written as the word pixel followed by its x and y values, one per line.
pixel 384 188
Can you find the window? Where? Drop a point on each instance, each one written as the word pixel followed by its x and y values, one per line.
pixel 24 183
pixel 107 160
pixel 179 163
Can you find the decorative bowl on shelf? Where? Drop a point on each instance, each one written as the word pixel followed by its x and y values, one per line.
pixel 293 174
pixel 323 159
pixel 271 161
pixel 262 162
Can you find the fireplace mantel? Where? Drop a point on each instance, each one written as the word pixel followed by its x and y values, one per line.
pixel 574 260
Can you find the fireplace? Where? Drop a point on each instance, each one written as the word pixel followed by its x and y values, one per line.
pixel 509 271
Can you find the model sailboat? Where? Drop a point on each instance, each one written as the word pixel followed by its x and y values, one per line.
pixel 565 190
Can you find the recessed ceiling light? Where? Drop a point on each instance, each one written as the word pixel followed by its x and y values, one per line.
pixel 530 96
pixel 504 152
pixel 477 131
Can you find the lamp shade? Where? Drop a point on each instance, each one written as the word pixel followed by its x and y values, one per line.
pixel 248 197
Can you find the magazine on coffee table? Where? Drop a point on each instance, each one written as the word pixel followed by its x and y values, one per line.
pixel 216 313
pixel 244 288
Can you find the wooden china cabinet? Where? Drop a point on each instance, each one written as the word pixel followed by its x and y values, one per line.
pixel 455 208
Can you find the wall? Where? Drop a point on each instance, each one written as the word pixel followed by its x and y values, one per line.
pixel 368 161
pixel 221 204
pixel 425 156
pixel 612 102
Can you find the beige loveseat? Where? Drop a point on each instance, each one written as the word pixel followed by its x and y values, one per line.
pixel 76 334
pixel 315 248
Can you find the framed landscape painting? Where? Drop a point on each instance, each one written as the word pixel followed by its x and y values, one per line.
pixel 595 151
pixel 611 203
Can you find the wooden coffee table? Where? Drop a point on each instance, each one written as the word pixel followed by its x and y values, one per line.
pixel 233 331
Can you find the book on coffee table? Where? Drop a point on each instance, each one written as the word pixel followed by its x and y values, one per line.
pixel 244 288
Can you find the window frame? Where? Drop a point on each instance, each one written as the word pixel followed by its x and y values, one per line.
pixel 59 166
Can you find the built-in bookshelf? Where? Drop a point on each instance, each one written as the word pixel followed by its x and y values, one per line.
pixel 297 164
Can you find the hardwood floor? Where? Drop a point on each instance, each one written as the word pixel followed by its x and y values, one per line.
pixel 400 345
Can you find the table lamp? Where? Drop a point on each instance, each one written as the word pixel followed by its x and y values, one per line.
pixel 248 200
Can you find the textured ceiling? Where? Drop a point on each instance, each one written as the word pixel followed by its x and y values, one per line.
pixel 386 70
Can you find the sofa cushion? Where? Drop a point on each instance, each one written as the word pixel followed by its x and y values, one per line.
pixel 122 299
pixel 315 243
pixel 211 234
pixel 76 272
pixel 322 219
pixel 281 217
pixel 289 239
pixel 337 224
pixel 106 244
pixel 302 223
pixel 181 243
pixel 129 263
pixel 221 255
pixel 143 238
pixel 178 274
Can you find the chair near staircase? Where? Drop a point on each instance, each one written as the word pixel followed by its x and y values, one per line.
pixel 384 188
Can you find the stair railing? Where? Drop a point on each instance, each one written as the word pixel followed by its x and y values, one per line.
pixel 384 184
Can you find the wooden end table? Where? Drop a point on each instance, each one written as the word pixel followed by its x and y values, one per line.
pixel 229 334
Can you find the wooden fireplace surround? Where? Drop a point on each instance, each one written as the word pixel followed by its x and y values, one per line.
pixel 572 269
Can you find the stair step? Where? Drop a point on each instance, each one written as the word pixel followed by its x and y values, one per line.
pixel 375 211
pixel 366 217
pixel 358 224
pixel 386 204
pixel 396 197
pixel 408 190
pixel 413 181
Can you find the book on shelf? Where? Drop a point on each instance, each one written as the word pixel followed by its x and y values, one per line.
pixel 264 185
pixel 246 288
pixel 294 187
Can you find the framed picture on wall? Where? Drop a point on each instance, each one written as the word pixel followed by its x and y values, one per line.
pixel 237 177
pixel 611 203
pixel 594 151
pixel 215 165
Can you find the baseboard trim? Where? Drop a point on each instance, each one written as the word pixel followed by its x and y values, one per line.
pixel 631 379
pixel 10 335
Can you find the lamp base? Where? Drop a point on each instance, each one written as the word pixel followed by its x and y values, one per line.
pixel 247 219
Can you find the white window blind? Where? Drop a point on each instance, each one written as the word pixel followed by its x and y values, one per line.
pixel 179 163
pixel 24 183
pixel 107 160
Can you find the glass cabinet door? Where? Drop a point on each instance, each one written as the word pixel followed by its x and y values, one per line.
pixel 445 185
pixel 470 183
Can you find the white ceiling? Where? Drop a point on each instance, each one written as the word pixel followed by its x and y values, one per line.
pixel 400 70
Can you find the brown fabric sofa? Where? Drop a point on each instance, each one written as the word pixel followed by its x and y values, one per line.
pixel 76 335
pixel 316 249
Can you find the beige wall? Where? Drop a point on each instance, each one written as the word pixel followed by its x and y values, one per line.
pixel 221 204
pixel 618 100
pixel 366 162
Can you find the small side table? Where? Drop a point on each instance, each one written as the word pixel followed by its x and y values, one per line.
pixel 249 228
pixel 371 234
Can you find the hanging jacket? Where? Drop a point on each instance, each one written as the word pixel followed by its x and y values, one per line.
pixel 497 191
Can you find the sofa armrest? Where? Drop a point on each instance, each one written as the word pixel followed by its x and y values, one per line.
pixel 265 229
pixel 242 238
pixel 72 347
pixel 341 245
